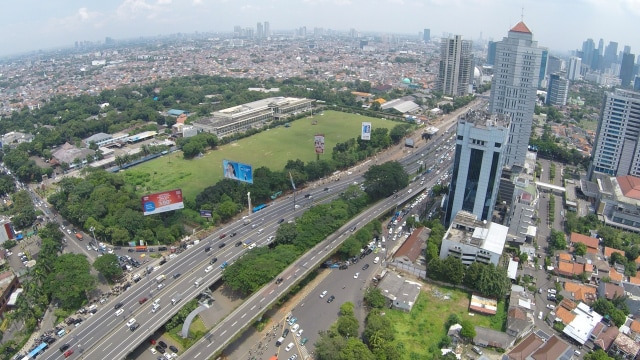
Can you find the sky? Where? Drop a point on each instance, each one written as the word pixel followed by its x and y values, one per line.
pixel 560 25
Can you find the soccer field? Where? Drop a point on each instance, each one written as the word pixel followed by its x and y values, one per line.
pixel 271 148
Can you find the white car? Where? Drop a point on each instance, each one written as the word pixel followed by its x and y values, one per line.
pixel 270 238
pixel 155 308
pixel 160 286
pixel 323 294
pixel 549 306
pixel 356 275
pixel 299 333
pixel 131 322
pixel 153 350
pixel 295 327
pixel 289 347
pixel 209 268
pixel 119 312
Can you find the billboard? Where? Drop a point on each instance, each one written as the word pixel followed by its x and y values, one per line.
pixel 319 143
pixel 205 213
pixel 237 171
pixel 162 202
pixel 366 131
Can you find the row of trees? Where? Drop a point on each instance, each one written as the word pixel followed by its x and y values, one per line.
pixel 22 210
pixel 549 148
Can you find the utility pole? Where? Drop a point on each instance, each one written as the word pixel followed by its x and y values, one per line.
pixel 249 201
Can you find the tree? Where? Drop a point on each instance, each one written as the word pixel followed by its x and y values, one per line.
pixel 374 299
pixel 346 309
pixel 70 280
pixel 580 249
pixel 493 281
pixel 473 274
pixel 451 320
pixel 355 350
pixel 558 240
pixel 454 270
pixel 383 180
pixel 108 266
pixel 329 345
pixel 597 355
pixel 468 331
pixel 347 326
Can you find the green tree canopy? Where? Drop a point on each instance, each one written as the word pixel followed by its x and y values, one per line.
pixel 70 281
pixel 108 266
pixel 383 180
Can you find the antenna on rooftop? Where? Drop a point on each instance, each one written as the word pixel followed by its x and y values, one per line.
pixel 522 14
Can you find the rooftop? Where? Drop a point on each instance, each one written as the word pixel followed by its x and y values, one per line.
pixel 629 186
pixel 466 228
pixel 521 27
pixel 484 118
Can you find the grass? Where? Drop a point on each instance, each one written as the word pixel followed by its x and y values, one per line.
pixel 196 331
pixel 421 330
pixel 271 148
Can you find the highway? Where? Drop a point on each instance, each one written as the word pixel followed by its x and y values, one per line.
pixel 105 336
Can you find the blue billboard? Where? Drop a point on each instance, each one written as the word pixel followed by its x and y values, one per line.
pixel 237 171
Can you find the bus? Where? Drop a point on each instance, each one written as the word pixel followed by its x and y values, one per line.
pixel 259 207
pixel 35 352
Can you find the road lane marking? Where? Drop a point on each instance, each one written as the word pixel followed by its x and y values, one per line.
pixel 271 292
pixel 253 307
pixel 234 324
pixel 305 264
pixel 295 271
pixel 313 257
pixel 198 354
pixel 243 315
pixel 222 333
pixel 261 300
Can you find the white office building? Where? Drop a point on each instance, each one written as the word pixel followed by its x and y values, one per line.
pixel 616 151
pixel 514 86
pixel 573 73
pixel 456 66
pixel 480 141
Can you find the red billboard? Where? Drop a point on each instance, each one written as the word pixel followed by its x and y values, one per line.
pixel 162 202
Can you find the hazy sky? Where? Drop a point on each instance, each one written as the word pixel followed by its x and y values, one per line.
pixel 558 24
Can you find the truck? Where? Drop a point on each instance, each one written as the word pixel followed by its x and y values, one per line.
pixel 160 278
pixel 246 221
pixel 141 249
pixel 79 236
pixel 198 282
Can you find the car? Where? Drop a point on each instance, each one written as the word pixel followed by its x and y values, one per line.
pixel 208 269
pixel 270 238
pixel 223 265
pixel 280 221
pixel 64 347
pixel 131 322
pixel 299 333
pixel 118 305
pixel 549 306
pixel 239 243
pixel 285 333
pixel 142 300
pixel 153 350
pixel 222 236
pixel 134 327
pixel 279 280
pixel 331 298
pixel 213 261
pixel 323 294
pixel 68 353
pixel 176 275
pixel 160 349
pixel 292 321
pixel 295 327
pixel 207 249
pixel 289 347
pixel 365 267
pixel 355 276
pixel 293 357
pixel 119 312
pixel 234 234
pixel 160 286
pixel 173 348
pixel 221 245
pixel 304 341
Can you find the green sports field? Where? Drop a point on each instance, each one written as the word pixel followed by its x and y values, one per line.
pixel 271 148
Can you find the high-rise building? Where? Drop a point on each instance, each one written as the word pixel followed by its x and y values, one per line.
pixel 259 31
pixel 480 142
pixel 426 35
pixel 588 49
pixel 616 151
pixel 610 55
pixel 513 88
pixel 554 65
pixel 544 59
pixel 491 52
pixel 558 90
pixel 627 69
pixel 575 63
pixel 456 66
pixel 267 29
pixel 636 83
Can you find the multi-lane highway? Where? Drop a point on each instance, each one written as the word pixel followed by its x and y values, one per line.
pixel 104 335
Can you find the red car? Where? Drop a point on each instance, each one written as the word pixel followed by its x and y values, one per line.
pixel 68 353
pixel 142 300
pixel 222 236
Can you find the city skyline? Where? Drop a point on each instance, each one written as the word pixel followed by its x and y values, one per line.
pixel 59 24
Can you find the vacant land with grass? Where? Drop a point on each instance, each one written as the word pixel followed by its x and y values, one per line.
pixel 422 329
pixel 271 148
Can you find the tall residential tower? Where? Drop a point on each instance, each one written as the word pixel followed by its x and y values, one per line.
pixel 513 88
pixel 480 141
pixel 456 66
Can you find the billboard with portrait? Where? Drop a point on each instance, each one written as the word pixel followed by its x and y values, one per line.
pixel 162 202
pixel 318 141
pixel 366 131
pixel 237 171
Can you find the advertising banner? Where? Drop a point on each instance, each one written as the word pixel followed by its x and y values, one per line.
pixel 162 202
pixel 319 143
pixel 366 131
pixel 237 171
pixel 205 213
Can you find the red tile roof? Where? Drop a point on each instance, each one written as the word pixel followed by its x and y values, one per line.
pixel 608 251
pixel 521 28
pixel 592 243
pixel 630 186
